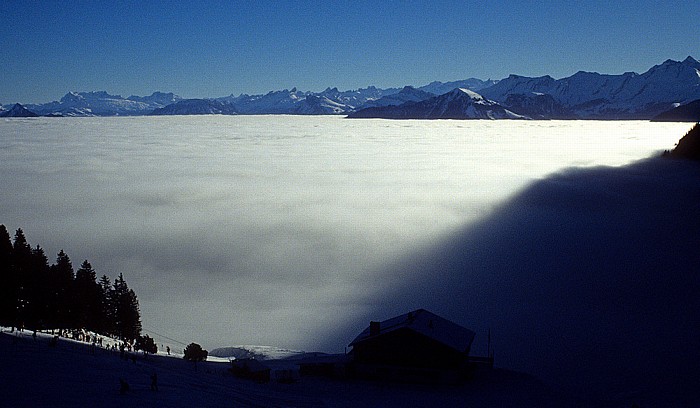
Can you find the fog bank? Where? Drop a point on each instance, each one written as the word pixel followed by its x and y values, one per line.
pixel 287 231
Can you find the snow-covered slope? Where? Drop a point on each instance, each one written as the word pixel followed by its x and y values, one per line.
pixel 72 374
pixel 459 104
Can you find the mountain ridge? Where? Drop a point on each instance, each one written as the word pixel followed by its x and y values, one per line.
pixel 583 95
pixel 461 103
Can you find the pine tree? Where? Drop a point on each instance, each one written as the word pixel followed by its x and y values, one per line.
pixel 87 296
pixel 62 300
pixel 127 314
pixel 106 311
pixel 37 295
pixel 8 280
pixel 132 314
pixel 37 289
pixel 21 260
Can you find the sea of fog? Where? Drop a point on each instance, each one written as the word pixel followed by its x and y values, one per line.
pixel 294 231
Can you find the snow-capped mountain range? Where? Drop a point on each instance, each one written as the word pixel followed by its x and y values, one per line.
pixel 584 95
pixel 461 103
pixel 103 104
pixel 590 95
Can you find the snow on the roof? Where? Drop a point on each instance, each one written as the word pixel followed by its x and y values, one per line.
pixel 428 324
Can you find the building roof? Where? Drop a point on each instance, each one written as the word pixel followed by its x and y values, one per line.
pixel 427 324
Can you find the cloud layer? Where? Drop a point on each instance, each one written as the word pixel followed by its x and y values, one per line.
pixel 294 231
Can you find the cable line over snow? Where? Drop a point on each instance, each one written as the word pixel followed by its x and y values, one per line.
pixel 164 336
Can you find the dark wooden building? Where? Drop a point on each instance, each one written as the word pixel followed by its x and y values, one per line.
pixel 416 344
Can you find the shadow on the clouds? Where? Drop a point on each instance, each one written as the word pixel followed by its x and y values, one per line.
pixel 589 279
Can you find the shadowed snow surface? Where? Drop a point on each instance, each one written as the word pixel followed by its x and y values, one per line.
pixel 69 375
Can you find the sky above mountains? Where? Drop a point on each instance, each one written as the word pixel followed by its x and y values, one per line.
pixel 210 49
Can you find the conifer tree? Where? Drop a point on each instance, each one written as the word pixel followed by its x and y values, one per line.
pixel 36 295
pixel 127 315
pixel 37 289
pixel 106 311
pixel 88 304
pixel 62 294
pixel 21 248
pixel 21 260
pixel 8 279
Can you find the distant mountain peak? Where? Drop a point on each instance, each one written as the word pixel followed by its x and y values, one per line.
pixel 583 95
pixel 460 103
pixel 18 111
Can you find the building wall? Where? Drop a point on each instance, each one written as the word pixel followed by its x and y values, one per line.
pixel 404 347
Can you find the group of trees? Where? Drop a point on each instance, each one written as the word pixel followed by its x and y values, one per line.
pixel 36 295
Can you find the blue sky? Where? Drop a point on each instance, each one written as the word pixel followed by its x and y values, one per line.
pixel 209 49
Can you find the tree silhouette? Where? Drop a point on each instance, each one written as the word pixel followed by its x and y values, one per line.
pixel 126 310
pixel 194 352
pixel 146 343
pixel 37 289
pixel 107 313
pixel 62 296
pixel 21 260
pixel 38 296
pixel 8 280
pixel 88 303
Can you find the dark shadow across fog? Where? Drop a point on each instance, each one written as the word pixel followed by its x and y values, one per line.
pixel 588 279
